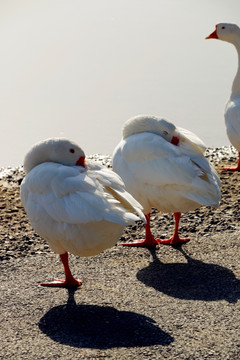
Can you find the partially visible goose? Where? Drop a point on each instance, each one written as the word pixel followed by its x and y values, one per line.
pixel 231 33
pixel 77 205
pixel 163 167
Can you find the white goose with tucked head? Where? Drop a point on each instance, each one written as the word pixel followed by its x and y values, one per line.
pixel 77 205
pixel 231 33
pixel 163 167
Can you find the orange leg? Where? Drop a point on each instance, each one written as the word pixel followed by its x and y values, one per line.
pixel 236 168
pixel 149 238
pixel 69 281
pixel 175 239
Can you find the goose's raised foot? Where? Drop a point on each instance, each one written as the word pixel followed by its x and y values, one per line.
pixel 63 283
pixel 237 168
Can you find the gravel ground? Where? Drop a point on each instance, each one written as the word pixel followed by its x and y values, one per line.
pixel 135 303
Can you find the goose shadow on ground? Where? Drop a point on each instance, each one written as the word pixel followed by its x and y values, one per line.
pixel 194 280
pixel 100 327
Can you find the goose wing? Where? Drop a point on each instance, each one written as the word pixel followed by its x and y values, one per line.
pixel 72 195
pixel 155 160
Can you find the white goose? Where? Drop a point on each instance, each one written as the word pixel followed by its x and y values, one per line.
pixel 163 167
pixel 231 34
pixel 78 206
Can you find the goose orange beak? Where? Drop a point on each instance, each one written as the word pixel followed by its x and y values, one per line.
pixel 213 35
pixel 81 161
pixel 175 140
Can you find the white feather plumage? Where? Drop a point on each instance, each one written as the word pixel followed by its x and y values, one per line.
pixel 77 209
pixel 162 174
pixel 231 34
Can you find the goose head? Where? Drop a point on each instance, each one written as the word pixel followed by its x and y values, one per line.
pixel 58 150
pixel 142 123
pixel 226 32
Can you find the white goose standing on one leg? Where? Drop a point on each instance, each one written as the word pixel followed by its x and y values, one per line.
pixel 163 167
pixel 231 33
pixel 77 205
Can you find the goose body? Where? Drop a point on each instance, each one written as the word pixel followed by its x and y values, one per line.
pixel 163 167
pixel 231 33
pixel 77 205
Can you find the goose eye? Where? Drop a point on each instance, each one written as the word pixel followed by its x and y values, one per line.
pixel 72 150
pixel 223 27
pixel 165 133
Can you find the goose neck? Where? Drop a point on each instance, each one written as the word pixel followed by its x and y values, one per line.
pixel 236 81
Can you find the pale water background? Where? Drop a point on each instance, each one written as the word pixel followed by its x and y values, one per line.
pixel 79 69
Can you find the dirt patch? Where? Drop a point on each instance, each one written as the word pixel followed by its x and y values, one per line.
pixel 135 303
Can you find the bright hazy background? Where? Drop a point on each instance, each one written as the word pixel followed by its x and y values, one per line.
pixel 80 69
